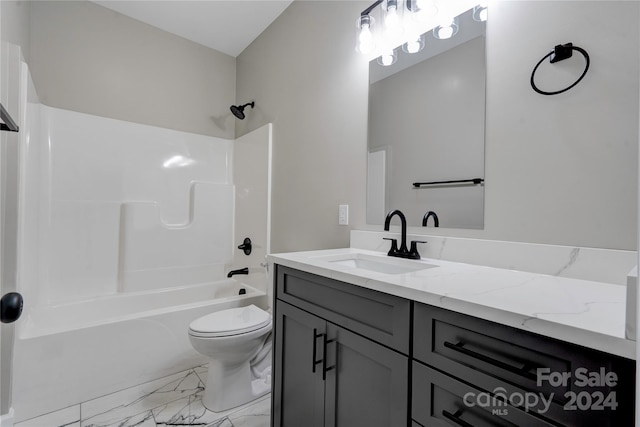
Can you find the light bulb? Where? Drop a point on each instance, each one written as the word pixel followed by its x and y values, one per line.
pixel 480 12
pixel 392 22
pixel 424 10
pixel 366 41
pixel 391 19
pixel 446 30
pixel 387 58
pixel 414 45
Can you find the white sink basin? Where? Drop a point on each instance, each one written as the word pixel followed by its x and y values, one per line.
pixel 378 264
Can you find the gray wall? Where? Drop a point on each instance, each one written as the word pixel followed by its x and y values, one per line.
pixel 90 59
pixel 559 169
pixel 15 25
pixel 306 78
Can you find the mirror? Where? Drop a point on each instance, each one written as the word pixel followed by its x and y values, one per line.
pixel 426 125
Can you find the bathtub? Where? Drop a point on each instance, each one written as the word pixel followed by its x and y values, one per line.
pixel 66 354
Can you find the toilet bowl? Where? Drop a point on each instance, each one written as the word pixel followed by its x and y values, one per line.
pixel 231 339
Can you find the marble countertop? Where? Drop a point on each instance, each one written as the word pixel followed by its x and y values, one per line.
pixel 583 312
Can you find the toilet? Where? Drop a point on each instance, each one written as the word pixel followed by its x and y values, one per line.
pixel 231 339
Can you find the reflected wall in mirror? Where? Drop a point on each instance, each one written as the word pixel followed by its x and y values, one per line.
pixel 427 124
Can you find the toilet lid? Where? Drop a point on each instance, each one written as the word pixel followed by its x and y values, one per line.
pixel 233 321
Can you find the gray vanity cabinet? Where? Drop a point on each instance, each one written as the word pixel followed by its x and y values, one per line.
pixel 328 375
pixel 538 381
pixel 348 356
pixel 300 387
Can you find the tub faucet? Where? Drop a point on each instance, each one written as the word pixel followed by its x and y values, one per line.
pixel 436 222
pixel 240 271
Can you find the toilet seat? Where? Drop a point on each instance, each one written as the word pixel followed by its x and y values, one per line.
pixel 233 321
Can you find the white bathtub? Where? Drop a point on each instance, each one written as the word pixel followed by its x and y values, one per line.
pixel 70 353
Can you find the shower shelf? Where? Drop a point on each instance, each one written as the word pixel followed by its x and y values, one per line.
pixel 473 181
pixel 8 123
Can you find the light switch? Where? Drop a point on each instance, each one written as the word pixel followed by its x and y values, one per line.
pixel 343 215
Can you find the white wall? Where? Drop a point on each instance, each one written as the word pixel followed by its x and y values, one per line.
pixel 90 59
pixel 559 170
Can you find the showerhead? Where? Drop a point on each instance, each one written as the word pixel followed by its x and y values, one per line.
pixel 238 110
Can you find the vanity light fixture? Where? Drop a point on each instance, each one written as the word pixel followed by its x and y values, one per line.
pixel 405 23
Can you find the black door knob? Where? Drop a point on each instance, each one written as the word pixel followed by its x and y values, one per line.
pixel 10 307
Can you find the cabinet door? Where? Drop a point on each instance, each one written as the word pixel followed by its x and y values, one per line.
pixel 298 395
pixel 366 383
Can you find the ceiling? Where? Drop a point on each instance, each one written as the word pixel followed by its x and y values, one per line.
pixel 227 26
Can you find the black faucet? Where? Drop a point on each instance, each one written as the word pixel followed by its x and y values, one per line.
pixel 394 251
pixel 436 222
pixel 240 271
pixel 403 252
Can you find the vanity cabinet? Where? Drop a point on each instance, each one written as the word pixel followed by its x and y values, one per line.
pixel 533 380
pixel 340 354
pixel 349 356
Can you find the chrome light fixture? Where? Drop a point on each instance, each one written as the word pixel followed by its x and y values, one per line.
pixel 405 23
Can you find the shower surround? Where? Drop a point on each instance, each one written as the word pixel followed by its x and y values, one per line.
pixel 125 234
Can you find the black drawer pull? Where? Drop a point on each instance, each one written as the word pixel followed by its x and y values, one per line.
pixel 325 369
pixel 523 372
pixel 456 418
pixel 316 335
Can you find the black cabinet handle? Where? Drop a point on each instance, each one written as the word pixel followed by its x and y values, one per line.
pixel 316 335
pixel 523 372
pixel 325 369
pixel 456 418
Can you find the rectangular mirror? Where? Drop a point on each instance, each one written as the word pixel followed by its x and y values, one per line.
pixel 427 125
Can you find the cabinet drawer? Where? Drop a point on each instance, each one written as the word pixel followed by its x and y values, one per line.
pixel 493 356
pixel 442 401
pixel 378 316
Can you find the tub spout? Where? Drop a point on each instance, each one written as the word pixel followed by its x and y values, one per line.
pixel 240 271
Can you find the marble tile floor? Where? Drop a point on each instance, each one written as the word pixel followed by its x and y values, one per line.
pixel 175 400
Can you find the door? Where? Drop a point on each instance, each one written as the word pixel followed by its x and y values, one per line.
pixel 298 395
pixel 10 303
pixel 367 384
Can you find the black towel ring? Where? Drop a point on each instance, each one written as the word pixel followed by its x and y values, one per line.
pixel 559 53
